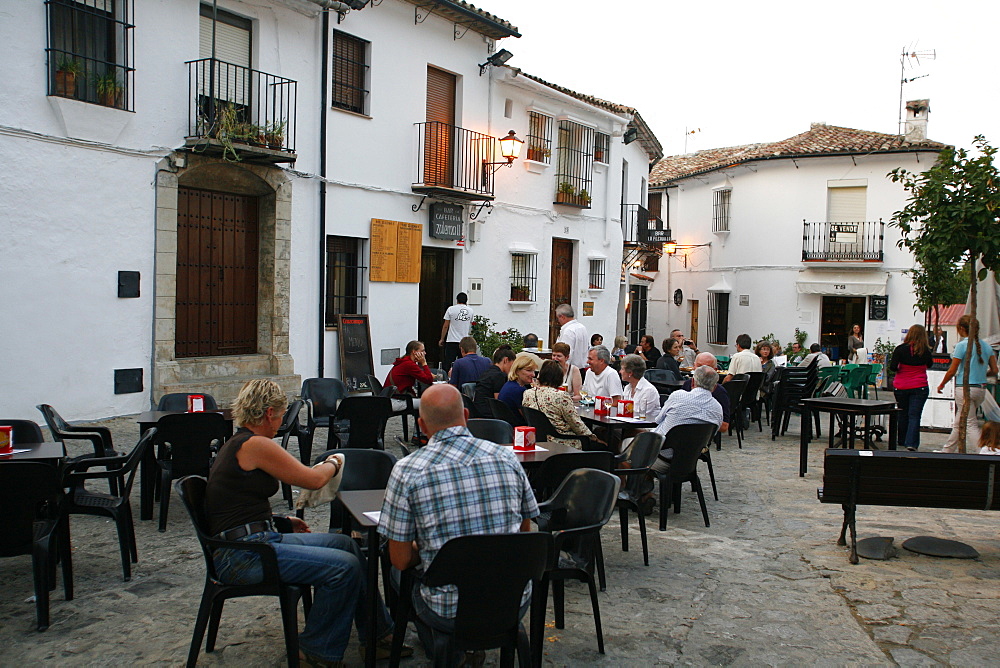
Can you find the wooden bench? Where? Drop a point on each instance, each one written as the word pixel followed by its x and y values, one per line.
pixel 915 479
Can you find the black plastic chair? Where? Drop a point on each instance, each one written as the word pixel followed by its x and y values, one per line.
pixel 687 441
pixel 24 431
pixel 178 401
pixel 574 516
pixel 469 390
pixel 62 431
pixel 31 496
pixel 186 444
pixel 491 429
pixel 791 385
pixel 735 388
pixel 363 469
pixel 122 469
pixel 502 411
pixel 470 406
pixel 660 376
pixel 363 419
pixel 322 395
pixel 750 401
pixel 403 410
pixel 192 492
pixel 490 581
pixel 639 457
pixel 544 429
pixel 290 426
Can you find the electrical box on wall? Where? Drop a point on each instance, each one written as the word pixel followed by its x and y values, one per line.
pixel 476 291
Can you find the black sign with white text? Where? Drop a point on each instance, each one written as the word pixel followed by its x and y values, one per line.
pixel 878 307
pixel 446 221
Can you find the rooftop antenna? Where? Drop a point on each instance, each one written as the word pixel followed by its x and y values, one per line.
pixel 907 58
pixel 687 133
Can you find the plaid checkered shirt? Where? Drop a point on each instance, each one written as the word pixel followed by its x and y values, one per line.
pixel 456 485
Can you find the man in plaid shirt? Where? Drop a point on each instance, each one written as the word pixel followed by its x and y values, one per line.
pixel 456 485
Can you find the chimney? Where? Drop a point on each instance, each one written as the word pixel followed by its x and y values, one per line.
pixel 915 129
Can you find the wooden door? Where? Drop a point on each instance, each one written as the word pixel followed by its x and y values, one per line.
pixel 437 276
pixel 560 284
pixel 217 267
pixel 440 128
pixel 638 295
pixel 693 333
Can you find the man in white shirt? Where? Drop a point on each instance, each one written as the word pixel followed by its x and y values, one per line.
pixel 574 335
pixel 602 381
pixel 744 361
pixel 457 325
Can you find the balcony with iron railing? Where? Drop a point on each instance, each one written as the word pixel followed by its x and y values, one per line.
pixel 453 162
pixel 843 242
pixel 642 228
pixel 240 113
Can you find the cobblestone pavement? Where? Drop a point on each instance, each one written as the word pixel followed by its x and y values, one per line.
pixel 764 585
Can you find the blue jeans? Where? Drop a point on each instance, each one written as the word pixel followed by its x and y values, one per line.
pixel 911 405
pixel 334 565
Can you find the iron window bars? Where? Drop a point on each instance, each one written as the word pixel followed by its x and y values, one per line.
pixel 718 318
pixel 523 276
pixel 574 164
pixel 602 148
pixel 539 137
pixel 345 278
pixel 720 209
pixel 596 273
pixel 90 50
pixel 350 73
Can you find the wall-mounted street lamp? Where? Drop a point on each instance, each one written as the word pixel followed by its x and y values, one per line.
pixel 670 248
pixel 497 59
pixel 510 150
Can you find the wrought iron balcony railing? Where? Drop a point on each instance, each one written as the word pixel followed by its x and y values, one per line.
pixel 842 242
pixel 640 227
pixel 243 110
pixel 451 161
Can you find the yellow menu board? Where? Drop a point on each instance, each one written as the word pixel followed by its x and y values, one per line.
pixel 409 238
pixel 395 251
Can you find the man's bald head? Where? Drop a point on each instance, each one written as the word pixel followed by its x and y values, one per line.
pixel 441 407
pixel 706 359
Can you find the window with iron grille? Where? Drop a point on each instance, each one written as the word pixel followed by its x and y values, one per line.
pixel 523 276
pixel 720 210
pixel 345 278
pixel 575 164
pixel 602 147
pixel 539 137
pixel 350 73
pixel 596 273
pixel 90 51
pixel 718 318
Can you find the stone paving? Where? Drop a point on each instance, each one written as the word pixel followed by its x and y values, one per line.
pixel 764 585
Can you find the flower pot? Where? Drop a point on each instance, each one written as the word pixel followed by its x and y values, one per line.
pixel 111 99
pixel 518 294
pixel 66 84
pixel 275 142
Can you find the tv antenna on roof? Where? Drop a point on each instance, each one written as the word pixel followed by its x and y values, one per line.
pixel 907 58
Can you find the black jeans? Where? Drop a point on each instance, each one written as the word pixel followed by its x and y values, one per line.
pixel 911 405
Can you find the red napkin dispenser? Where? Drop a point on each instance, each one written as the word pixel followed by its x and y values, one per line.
pixel 524 438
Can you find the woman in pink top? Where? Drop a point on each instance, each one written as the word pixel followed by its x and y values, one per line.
pixel 910 361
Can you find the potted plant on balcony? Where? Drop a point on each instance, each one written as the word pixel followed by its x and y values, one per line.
pixel 583 197
pixel 109 89
pixel 67 71
pixel 520 293
pixel 565 193
pixel 275 135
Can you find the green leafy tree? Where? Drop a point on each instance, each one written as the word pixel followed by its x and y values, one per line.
pixel 485 332
pixel 951 218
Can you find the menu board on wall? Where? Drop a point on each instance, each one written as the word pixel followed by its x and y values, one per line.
pixel 395 251
pixel 355 352
pixel 409 239
pixel 383 250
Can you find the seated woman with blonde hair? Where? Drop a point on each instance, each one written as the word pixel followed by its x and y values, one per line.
pixel 557 405
pixel 246 473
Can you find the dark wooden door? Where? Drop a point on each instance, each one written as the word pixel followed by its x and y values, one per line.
pixel 439 137
pixel 561 283
pixel 437 276
pixel 637 313
pixel 693 333
pixel 217 267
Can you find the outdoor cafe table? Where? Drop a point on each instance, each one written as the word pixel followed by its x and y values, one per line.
pixel 47 453
pixel 614 424
pixel 147 467
pixel 849 409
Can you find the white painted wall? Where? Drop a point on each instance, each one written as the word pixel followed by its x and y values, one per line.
pixel 761 255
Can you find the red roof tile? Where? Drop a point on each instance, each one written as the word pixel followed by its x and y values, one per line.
pixel 819 140
pixel 467 14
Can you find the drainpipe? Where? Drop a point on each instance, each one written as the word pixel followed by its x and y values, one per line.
pixel 321 347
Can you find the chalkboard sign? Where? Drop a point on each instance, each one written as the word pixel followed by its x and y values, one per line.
pixel 355 352
pixel 878 307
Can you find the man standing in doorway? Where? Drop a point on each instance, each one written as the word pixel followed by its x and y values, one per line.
pixel 457 325
pixel 573 334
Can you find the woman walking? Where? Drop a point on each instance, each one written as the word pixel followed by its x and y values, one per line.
pixel 982 363
pixel 910 361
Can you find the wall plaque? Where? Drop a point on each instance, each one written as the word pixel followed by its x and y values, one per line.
pixel 395 251
pixel 446 221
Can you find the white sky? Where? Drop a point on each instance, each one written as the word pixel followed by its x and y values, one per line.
pixel 747 72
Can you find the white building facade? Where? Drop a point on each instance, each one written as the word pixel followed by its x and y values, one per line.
pixel 792 234
pixel 143 257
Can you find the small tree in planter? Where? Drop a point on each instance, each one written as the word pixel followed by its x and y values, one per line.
pixel 67 71
pixel 488 339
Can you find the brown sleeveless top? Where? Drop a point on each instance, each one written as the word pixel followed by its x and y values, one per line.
pixel 235 497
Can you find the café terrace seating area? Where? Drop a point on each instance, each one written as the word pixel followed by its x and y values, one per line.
pixel 80 502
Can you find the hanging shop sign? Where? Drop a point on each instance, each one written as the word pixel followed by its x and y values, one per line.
pixel 446 221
